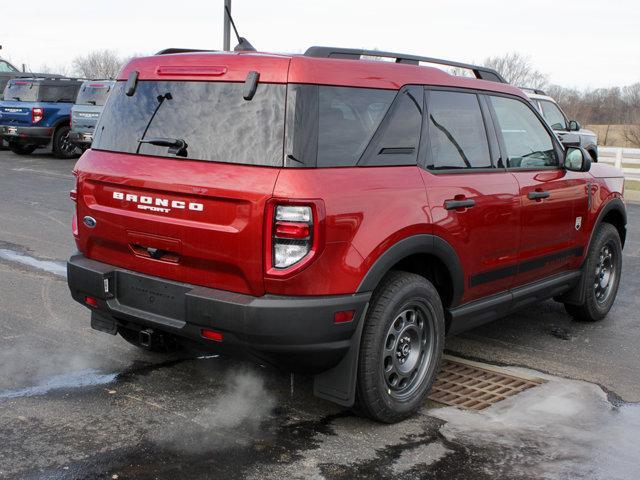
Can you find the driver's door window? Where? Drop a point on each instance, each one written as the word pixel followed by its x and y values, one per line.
pixel 553 115
pixel 527 142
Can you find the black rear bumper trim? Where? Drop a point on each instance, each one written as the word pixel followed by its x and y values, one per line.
pixel 294 332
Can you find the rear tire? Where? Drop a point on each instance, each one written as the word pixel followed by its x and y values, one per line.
pixel 22 149
pixel 601 276
pixel 62 147
pixel 401 348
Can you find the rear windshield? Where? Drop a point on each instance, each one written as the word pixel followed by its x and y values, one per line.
pixel 32 91
pixel 21 91
pixel 94 93
pixel 212 118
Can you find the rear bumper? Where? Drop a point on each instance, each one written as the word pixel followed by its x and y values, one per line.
pixel 26 135
pixel 81 139
pixel 297 333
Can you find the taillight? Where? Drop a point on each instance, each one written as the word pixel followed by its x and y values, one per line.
pixel 292 234
pixel 37 114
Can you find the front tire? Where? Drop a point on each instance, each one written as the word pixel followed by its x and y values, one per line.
pixel 601 276
pixel 62 147
pixel 401 348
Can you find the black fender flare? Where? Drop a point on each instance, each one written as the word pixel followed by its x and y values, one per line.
pixel 575 295
pixel 613 204
pixel 60 122
pixel 422 243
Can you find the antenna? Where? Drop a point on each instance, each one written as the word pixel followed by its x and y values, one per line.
pixel 243 43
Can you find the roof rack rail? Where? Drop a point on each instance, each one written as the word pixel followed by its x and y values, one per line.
pixel 537 91
pixel 170 51
pixel 53 77
pixel 482 73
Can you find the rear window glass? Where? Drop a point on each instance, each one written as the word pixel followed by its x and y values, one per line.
pixel 212 118
pixel 94 93
pixel 21 91
pixel 58 93
pixel 332 126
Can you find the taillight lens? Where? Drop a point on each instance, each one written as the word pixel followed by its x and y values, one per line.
pixel 37 114
pixel 292 234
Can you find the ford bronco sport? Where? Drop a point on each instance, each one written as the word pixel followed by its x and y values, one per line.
pixel 334 215
pixel 35 112
pixel 84 114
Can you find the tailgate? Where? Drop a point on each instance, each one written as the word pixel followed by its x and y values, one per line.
pixel 15 114
pixel 189 221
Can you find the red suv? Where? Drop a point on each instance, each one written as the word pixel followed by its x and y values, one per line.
pixel 334 214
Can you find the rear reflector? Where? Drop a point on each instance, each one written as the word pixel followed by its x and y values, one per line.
pixel 344 316
pixel 211 335
pixel 92 302
pixel 292 230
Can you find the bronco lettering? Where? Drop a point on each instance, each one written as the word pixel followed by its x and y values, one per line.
pixel 162 203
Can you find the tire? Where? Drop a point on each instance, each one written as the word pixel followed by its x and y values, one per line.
pixel 62 148
pixel 167 345
pixel 395 349
pixel 22 149
pixel 601 276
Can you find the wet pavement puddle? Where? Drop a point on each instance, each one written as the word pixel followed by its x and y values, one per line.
pixel 51 266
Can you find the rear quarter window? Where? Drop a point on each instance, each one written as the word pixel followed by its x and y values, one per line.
pixel 331 126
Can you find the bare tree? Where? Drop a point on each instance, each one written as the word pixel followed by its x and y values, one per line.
pixel 518 70
pixel 99 64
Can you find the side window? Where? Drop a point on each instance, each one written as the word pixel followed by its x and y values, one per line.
pixel 348 118
pixel 399 136
pixel 528 143
pixel 553 115
pixel 457 135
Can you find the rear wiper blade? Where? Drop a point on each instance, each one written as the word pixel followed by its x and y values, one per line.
pixel 177 146
pixel 91 102
pixel 17 99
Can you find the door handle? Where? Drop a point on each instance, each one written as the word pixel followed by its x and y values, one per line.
pixel 456 204
pixel 538 195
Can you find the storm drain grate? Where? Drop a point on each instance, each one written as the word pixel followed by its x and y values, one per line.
pixel 474 388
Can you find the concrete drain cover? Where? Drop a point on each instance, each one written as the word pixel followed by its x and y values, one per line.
pixel 470 386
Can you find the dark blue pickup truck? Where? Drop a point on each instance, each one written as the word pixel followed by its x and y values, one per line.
pixel 36 112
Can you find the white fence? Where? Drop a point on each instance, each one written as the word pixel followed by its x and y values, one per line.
pixel 627 159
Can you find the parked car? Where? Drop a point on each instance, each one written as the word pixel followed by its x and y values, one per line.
pixel 333 215
pixel 560 123
pixel 36 112
pixel 84 114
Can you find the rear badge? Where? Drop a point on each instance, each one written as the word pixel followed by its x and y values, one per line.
pixel 89 221
pixel 578 223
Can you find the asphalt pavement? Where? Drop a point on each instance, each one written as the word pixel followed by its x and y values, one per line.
pixel 76 403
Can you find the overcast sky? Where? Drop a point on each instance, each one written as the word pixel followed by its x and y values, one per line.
pixel 581 43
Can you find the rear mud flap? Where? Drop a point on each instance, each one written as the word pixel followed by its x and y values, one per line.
pixel 338 384
pixel 103 323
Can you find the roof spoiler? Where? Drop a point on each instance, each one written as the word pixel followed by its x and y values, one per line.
pixel 170 51
pixel 482 73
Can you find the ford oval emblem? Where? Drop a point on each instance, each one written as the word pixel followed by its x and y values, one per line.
pixel 89 221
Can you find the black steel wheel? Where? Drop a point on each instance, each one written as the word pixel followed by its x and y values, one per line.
pixel 601 276
pixel 401 347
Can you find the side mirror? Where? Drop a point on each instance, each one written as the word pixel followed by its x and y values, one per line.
pixel 574 126
pixel 577 159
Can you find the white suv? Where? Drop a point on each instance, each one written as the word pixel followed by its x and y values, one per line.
pixel 557 119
